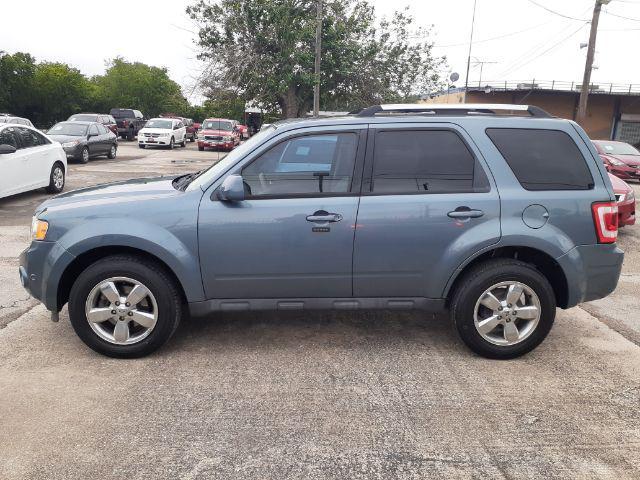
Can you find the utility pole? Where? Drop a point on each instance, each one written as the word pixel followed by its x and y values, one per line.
pixel 591 48
pixel 466 79
pixel 316 87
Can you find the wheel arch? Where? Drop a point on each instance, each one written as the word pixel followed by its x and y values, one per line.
pixel 82 261
pixel 541 260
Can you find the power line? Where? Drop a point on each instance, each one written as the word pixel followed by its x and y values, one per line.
pixel 518 65
pixel 487 39
pixel 621 16
pixel 558 13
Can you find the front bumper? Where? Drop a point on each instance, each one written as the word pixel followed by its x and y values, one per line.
pixel 592 271
pixel 625 173
pixel 627 213
pixel 154 141
pixel 74 152
pixel 40 270
pixel 216 144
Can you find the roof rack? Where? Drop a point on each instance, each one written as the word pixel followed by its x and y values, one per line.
pixel 454 109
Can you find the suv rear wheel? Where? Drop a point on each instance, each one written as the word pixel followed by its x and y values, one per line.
pixel 503 308
pixel 124 306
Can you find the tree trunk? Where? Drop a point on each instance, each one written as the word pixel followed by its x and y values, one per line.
pixel 289 103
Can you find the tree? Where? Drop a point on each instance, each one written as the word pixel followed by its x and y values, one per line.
pixel 58 91
pixel 264 49
pixel 16 78
pixel 138 86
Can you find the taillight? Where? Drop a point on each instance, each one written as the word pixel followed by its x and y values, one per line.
pixel 605 218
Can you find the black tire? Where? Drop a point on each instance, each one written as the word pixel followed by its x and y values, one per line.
pixel 157 280
pixel 113 151
pixel 131 134
pixel 193 138
pixel 201 148
pixel 54 178
pixel 84 155
pixel 171 144
pixel 480 278
pixel 184 142
pixel 141 146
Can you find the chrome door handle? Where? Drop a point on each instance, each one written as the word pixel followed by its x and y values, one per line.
pixel 465 212
pixel 322 217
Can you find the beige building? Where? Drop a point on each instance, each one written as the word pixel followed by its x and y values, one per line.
pixel 613 111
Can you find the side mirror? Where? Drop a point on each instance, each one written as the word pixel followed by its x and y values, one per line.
pixel 92 135
pixel 232 189
pixel 4 148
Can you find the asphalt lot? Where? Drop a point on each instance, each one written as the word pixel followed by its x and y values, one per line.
pixel 311 395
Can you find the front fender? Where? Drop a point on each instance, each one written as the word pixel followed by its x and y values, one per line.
pixel 179 254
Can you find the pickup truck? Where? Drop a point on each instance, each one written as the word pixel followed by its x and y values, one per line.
pixel 129 121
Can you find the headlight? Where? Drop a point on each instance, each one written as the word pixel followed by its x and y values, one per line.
pixel 165 134
pixel 630 196
pixel 617 163
pixel 38 228
pixel 622 197
pixel 70 144
pixel 226 138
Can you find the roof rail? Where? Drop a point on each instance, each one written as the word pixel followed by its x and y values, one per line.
pixel 454 109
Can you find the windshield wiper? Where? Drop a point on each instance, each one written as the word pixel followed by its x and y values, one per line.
pixel 182 182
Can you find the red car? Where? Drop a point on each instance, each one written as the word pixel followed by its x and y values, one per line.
pixel 621 159
pixel 243 130
pixel 626 201
pixel 218 133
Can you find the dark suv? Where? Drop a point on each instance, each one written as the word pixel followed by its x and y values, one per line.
pixel 129 121
pixel 496 213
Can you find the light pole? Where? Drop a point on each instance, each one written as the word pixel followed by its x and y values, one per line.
pixel 316 86
pixel 466 80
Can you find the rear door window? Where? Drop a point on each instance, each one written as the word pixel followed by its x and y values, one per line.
pixel 424 161
pixel 542 159
pixel 29 138
pixel 8 137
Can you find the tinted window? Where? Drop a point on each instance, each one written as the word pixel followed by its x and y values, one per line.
pixel 618 148
pixel 317 164
pixel 7 137
pixel 29 138
pixel 217 125
pixel 117 113
pixel 424 161
pixel 93 130
pixel 68 128
pixel 542 159
pixel 102 130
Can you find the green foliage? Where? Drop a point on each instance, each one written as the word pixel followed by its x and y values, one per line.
pixel 47 93
pixel 264 49
pixel 139 86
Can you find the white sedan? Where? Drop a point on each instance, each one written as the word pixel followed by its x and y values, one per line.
pixel 30 160
pixel 163 132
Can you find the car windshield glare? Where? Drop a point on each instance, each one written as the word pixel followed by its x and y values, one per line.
pixel 618 148
pixel 83 118
pixel 213 172
pixel 159 124
pixel 217 125
pixel 68 129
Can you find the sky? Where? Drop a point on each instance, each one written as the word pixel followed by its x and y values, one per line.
pixel 519 40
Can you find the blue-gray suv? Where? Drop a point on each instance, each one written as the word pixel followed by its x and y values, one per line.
pixel 496 213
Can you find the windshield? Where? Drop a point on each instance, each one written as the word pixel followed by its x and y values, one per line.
pixel 67 128
pixel 83 118
pixel 122 113
pixel 618 148
pixel 158 123
pixel 217 125
pixel 214 171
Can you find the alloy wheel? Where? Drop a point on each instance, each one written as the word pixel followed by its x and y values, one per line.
pixel 121 310
pixel 507 313
pixel 58 178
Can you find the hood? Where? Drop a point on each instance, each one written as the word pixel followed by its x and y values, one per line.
pixel 619 186
pixel 66 138
pixel 217 132
pixel 156 130
pixel 137 190
pixel 633 160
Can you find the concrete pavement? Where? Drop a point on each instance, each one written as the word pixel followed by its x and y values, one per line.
pixel 312 395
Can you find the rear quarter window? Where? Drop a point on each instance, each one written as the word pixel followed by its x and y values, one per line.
pixel 542 159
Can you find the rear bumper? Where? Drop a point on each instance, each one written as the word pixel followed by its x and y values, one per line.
pixel 592 271
pixel 215 144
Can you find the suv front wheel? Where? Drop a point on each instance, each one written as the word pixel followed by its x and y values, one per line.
pixel 124 306
pixel 503 308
